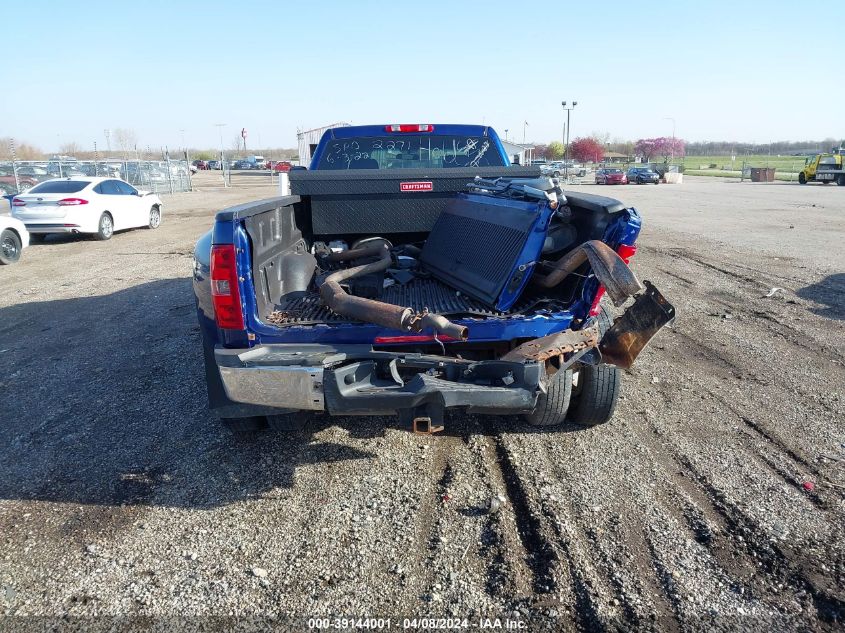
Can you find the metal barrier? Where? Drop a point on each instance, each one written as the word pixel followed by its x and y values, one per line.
pixel 158 176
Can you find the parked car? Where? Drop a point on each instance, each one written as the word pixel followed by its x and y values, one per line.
pixel 280 165
pixel 282 339
pixel 642 176
pixel 611 176
pixel 13 239
pixel 242 164
pixel 200 164
pixel 553 169
pixel 26 182
pixel 32 170
pixel 215 164
pixel 99 206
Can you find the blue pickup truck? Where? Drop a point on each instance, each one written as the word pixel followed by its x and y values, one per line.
pixel 412 270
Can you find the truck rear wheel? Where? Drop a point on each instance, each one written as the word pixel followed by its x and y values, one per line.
pixel 841 180
pixel 802 179
pixel 552 406
pixel 595 388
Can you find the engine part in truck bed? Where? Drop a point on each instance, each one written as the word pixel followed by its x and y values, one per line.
pixel 385 314
pixel 487 246
pixel 380 201
pixel 632 331
pixel 419 294
pixel 608 267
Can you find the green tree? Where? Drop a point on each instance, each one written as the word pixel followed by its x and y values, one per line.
pixel 554 150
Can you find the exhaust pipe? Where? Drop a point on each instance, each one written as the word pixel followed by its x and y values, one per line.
pixel 385 314
pixel 608 267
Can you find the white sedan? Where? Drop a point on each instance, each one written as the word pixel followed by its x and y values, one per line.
pixel 99 206
pixel 13 239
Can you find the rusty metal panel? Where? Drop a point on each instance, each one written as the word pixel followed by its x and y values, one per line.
pixel 632 331
pixel 557 344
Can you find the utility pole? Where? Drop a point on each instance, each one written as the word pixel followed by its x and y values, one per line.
pixel 568 130
pixel 669 118
pixel 220 127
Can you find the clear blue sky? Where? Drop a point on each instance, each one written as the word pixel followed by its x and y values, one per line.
pixel 745 71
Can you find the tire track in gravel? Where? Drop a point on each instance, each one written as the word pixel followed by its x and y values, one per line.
pixel 540 554
pixel 553 548
pixel 747 541
pixel 505 545
pixel 744 305
pixel 593 583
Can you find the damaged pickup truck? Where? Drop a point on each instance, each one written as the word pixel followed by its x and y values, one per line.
pixel 413 270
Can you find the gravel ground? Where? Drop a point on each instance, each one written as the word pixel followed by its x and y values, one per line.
pixel 119 495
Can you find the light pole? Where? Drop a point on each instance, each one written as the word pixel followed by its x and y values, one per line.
pixel 672 149
pixel 506 134
pixel 566 143
pixel 220 127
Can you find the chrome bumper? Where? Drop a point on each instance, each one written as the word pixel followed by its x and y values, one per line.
pixel 290 386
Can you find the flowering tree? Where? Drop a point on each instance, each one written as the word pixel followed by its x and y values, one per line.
pixel 586 149
pixel 669 147
pixel 646 147
pixel 661 146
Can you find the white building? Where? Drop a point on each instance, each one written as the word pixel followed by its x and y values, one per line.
pixel 519 153
pixel 309 139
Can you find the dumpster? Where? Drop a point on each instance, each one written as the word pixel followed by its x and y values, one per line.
pixel 762 174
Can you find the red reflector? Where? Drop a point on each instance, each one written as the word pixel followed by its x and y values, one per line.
pixel 626 252
pixel 71 202
pixel 416 186
pixel 17 202
pixel 413 338
pixel 404 127
pixel 596 307
pixel 225 292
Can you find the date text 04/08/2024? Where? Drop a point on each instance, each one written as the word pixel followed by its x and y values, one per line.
pixel 430 624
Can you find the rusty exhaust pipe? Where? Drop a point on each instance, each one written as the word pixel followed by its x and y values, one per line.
pixel 385 314
pixel 610 269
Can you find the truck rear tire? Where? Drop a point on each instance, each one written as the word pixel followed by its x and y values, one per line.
pixel 552 406
pixel 802 179
pixel 596 388
pixel 841 180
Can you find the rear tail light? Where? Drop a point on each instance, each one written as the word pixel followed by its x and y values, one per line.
pixel 419 127
pixel 225 291
pixel 71 202
pixel 626 252
pixel 17 202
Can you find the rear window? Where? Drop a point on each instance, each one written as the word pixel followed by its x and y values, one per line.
pixel 613 171
pixel 410 151
pixel 59 186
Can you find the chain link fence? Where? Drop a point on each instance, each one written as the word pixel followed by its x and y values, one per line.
pixel 158 176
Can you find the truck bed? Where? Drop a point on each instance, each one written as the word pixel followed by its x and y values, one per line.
pixel 418 294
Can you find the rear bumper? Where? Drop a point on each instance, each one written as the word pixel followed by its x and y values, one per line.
pixel 355 380
pixel 46 227
pixel 358 380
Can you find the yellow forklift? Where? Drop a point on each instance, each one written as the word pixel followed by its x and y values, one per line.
pixel 824 168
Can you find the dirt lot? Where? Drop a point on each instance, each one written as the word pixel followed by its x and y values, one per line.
pixel 119 495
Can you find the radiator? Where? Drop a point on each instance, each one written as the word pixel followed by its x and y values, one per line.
pixel 487 247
